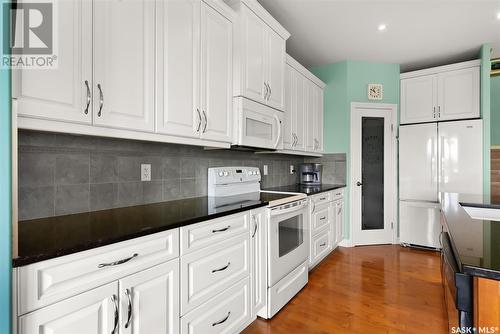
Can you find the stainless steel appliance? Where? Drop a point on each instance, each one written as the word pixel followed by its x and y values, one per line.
pixel 310 173
pixel 257 125
pixel 287 244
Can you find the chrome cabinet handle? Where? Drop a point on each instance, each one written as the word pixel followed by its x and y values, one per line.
pixel 222 269
pixel 102 265
pixel 114 299
pixel 322 199
pixel 433 112
pixel 266 91
pixel 255 228
pixel 101 100
pixel 340 211
pixel 314 206
pixel 199 120
pixel 88 97
pixel 322 218
pixel 221 321
pixel 323 244
pixel 439 111
pixel 206 121
pixel 270 92
pixel 129 297
pixel 222 229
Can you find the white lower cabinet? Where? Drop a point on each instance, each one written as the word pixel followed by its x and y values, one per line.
pixel 149 300
pixel 95 311
pixel 327 224
pixel 258 250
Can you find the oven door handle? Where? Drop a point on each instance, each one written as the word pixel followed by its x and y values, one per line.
pixel 275 212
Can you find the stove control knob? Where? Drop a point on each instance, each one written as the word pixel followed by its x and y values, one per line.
pixel 257 172
pixel 221 174
pixel 226 173
pixel 252 172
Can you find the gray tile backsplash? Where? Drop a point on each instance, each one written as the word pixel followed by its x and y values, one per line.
pixel 334 167
pixel 63 174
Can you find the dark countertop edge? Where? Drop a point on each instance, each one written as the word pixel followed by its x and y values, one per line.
pixel 481 272
pixel 478 205
pixel 23 261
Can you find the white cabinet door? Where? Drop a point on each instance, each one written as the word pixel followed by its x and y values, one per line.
pixel 61 93
pixel 253 54
pixel 290 98
pixel 319 119
pixel 259 260
pixel 419 99
pixel 95 311
pixel 178 67
pixel 124 64
pixel 276 69
pixel 299 112
pixel 458 94
pixel 149 300
pixel 339 221
pixel 216 75
pixel 310 115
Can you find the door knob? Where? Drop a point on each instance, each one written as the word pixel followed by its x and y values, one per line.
pixel 359 184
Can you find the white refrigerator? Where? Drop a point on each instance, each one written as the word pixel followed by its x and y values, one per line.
pixel 433 158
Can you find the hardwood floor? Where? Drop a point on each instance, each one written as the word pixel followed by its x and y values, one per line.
pixel 375 289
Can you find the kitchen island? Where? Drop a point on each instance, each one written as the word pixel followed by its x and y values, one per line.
pixel 472 242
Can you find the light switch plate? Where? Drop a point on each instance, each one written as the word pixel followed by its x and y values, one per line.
pixel 145 172
pixel 266 171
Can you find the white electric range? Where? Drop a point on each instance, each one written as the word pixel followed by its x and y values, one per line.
pixel 287 227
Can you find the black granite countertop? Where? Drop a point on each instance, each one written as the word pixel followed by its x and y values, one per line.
pixel 475 242
pixel 308 190
pixel 46 238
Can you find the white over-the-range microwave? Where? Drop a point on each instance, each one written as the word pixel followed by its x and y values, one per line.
pixel 257 125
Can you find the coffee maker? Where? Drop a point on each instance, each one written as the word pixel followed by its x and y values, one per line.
pixel 310 174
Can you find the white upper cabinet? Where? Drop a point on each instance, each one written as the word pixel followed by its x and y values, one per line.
pixel 62 93
pixel 449 92
pixel 458 94
pixel 303 109
pixel 178 67
pixel 260 56
pixel 216 74
pixel 124 64
pixel 275 70
pixel 418 99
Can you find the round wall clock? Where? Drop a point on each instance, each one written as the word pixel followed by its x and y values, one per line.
pixel 375 91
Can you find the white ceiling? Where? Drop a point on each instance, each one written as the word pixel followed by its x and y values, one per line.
pixel 420 33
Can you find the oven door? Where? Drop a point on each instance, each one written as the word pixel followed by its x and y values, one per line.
pixel 258 126
pixel 288 239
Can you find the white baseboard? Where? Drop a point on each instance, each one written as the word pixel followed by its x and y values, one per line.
pixel 346 243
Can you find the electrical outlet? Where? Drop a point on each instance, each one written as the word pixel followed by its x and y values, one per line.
pixel 145 172
pixel 266 171
pixel 292 170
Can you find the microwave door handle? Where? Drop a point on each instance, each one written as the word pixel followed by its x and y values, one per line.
pixel 278 124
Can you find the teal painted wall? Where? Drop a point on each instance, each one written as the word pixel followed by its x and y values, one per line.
pixel 495 110
pixel 485 56
pixel 347 82
pixel 5 190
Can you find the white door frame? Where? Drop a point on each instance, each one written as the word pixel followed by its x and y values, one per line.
pixel 393 166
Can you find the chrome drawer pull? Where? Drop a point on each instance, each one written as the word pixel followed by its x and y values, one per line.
pixel 114 299
pixel 129 297
pixel 221 269
pixel 199 120
pixel 88 97
pixel 255 228
pixel 322 218
pixel 322 198
pixel 222 321
pixel 323 244
pixel 102 265
pixel 222 229
pixel 101 100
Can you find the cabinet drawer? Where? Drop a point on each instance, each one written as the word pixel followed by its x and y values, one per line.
pixel 337 194
pixel 321 245
pixel 210 271
pixel 320 218
pixel 197 236
pixel 228 312
pixel 46 282
pixel 321 198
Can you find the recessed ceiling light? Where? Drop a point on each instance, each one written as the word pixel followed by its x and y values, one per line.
pixel 382 27
pixel 498 16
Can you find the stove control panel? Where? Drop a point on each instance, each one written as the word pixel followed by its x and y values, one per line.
pixel 233 175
